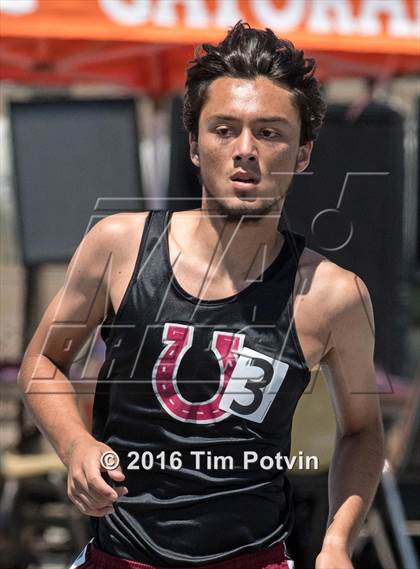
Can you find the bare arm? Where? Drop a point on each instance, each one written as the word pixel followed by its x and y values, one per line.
pixel 77 309
pixel 359 451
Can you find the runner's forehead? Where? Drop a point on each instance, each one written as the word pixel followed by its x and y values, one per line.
pixel 259 99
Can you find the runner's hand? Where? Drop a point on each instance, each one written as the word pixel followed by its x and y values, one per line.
pixel 333 558
pixel 86 487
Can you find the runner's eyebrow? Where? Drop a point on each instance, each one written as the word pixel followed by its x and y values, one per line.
pixel 231 118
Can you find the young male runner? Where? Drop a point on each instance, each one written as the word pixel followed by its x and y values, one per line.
pixel 214 319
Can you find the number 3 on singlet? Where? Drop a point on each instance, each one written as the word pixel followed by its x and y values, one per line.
pixel 248 380
pixel 253 385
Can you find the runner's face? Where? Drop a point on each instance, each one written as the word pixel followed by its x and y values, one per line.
pixel 250 127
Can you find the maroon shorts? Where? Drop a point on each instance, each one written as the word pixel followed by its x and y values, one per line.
pixel 274 558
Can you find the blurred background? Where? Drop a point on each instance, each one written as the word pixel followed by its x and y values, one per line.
pixel 90 125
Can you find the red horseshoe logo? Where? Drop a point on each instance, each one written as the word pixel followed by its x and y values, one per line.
pixel 178 339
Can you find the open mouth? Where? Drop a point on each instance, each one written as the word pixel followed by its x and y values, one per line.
pixel 244 180
pixel 244 184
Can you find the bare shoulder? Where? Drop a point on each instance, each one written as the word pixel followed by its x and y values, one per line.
pixel 111 243
pixel 120 235
pixel 112 231
pixel 335 289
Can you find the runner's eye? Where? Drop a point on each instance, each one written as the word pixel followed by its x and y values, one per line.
pixel 268 133
pixel 223 132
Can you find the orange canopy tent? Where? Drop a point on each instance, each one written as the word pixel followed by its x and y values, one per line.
pixel 145 44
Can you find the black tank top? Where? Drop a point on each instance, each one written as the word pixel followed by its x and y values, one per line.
pixel 192 395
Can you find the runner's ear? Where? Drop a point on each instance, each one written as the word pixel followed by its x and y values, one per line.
pixel 194 154
pixel 303 157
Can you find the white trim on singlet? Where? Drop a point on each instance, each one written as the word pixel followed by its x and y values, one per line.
pixel 81 558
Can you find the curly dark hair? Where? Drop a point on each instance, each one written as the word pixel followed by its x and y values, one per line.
pixel 247 53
